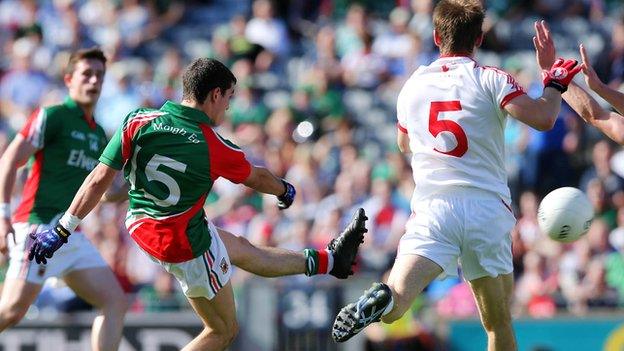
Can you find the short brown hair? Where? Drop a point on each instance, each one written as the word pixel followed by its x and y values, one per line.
pixel 202 76
pixel 91 53
pixel 459 24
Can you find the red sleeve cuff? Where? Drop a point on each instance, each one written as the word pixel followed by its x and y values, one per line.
pixel 401 128
pixel 510 97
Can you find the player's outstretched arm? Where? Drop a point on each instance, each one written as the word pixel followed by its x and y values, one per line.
pixel 612 96
pixel 91 190
pixel 45 243
pixel 540 113
pixel 262 180
pixel 611 124
pixel 15 155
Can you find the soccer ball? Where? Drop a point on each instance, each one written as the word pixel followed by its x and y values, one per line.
pixel 565 214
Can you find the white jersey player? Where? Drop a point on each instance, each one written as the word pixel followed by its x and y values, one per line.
pixel 453 112
pixel 451 118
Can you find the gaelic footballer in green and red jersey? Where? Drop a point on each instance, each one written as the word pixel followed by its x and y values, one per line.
pixel 68 149
pixel 171 157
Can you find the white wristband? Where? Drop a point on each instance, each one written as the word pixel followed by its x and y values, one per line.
pixel 69 222
pixel 5 210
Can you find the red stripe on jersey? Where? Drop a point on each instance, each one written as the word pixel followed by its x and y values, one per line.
pixel 30 190
pixel 130 131
pixel 225 161
pixel 32 131
pixel 25 132
pixel 401 128
pixel 510 97
pixel 166 239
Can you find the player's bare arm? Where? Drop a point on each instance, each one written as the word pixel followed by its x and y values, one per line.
pixel 91 190
pixel 116 195
pixel 15 156
pixel 540 113
pixel 612 96
pixel 610 123
pixel 403 142
pixel 262 180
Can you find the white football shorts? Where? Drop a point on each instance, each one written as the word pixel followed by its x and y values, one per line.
pixel 466 224
pixel 204 275
pixel 78 253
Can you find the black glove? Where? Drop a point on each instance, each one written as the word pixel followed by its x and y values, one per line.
pixel 287 198
pixel 47 242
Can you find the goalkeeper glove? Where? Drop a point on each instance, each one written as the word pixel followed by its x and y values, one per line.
pixel 47 242
pixel 560 74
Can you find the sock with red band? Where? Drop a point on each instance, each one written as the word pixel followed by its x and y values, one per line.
pixel 318 262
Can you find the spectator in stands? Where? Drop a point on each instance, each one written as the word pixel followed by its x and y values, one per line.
pixel 364 68
pixel 268 31
pixel 22 88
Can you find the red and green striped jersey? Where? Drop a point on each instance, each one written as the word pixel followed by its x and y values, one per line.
pixel 171 157
pixel 68 147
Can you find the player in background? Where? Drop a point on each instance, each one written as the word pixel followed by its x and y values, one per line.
pixel 170 157
pixel 608 122
pixel 451 118
pixel 63 143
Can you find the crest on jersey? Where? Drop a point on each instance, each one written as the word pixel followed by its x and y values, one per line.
pixel 224 265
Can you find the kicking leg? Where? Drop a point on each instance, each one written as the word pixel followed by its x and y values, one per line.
pixel 17 296
pixel 262 260
pixel 219 318
pixel 493 296
pixel 409 276
pixel 274 262
pixel 99 287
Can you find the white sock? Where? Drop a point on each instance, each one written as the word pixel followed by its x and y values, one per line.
pixel 389 307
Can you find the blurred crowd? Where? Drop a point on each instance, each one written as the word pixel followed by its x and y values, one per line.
pixel 315 100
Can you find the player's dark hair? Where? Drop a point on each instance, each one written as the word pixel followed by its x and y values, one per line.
pixel 91 53
pixel 202 76
pixel 459 24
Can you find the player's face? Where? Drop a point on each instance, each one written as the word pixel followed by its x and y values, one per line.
pixel 85 83
pixel 223 103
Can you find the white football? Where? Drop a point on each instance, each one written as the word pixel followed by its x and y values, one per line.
pixel 565 214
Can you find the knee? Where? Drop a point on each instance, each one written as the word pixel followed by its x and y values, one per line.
pixel 242 253
pixel 224 338
pixel 116 305
pixel 233 332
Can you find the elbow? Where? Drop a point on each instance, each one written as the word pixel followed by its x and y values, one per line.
pixel 546 124
pixel 619 139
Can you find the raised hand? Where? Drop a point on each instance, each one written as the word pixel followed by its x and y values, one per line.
pixel 544 45
pixel 46 243
pixel 591 78
pixel 561 74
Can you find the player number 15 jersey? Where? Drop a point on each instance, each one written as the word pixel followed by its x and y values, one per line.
pixel 453 113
